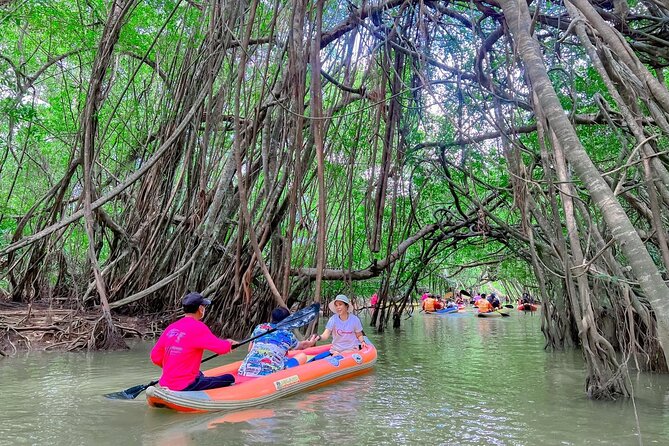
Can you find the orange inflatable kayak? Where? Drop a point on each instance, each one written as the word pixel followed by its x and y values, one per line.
pixel 527 307
pixel 247 391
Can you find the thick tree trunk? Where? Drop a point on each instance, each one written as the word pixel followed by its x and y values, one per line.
pixel 645 271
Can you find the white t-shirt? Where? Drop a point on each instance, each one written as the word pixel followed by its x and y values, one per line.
pixel 343 332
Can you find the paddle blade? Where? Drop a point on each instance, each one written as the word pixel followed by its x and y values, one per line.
pixel 131 393
pixel 295 320
pixel 465 293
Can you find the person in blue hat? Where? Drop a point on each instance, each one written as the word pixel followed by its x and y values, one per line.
pixel 179 349
pixel 268 353
pixel 345 328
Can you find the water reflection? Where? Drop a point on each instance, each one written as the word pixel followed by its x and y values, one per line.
pixel 183 429
pixel 255 426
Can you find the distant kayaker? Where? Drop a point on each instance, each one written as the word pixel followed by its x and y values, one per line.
pixel 179 349
pixel 483 305
pixel 268 353
pixel 344 326
pixel 527 298
pixel 374 300
pixel 429 305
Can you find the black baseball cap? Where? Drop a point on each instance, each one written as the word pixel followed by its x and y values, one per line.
pixel 194 300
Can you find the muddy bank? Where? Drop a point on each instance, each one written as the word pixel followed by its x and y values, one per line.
pixel 40 326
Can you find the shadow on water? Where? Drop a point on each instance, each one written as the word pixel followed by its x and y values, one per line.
pixel 447 380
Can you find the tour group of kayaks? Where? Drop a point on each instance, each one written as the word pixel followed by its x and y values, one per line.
pixel 498 312
pixel 248 392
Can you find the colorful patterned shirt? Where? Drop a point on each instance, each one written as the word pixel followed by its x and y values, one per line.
pixel 268 353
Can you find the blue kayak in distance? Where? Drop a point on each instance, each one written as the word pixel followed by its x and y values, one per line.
pixel 447 310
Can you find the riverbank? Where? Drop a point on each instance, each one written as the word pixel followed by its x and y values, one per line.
pixel 44 327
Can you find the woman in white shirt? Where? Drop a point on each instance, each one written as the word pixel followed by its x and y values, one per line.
pixel 345 328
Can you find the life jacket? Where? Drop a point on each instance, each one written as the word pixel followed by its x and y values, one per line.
pixel 428 305
pixel 484 306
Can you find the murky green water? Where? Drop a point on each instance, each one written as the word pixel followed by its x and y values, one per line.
pixel 440 380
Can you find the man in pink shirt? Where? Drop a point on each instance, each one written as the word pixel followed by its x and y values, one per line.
pixel 180 347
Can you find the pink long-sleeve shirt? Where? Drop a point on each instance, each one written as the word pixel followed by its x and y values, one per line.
pixel 179 351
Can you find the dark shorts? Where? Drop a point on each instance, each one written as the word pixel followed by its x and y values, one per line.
pixel 210 382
